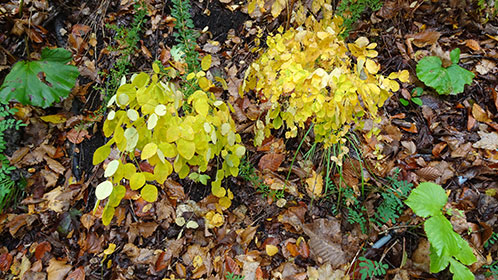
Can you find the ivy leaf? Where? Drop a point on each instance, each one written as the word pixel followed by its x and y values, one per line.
pixel 460 272
pixel 41 83
pixel 427 199
pixel 441 235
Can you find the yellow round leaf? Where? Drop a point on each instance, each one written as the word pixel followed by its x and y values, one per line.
pixel 107 215
pixel 149 150
pixel 149 193
pixel 101 154
pixel 160 110
pixel 185 148
pixel 203 83
pixel 129 170
pixel 132 114
pixel 162 171
pixel 103 190
pixel 206 62
pixel 201 107
pixel 155 67
pixel 225 202
pixel 137 181
pixel 218 191
pixel 271 250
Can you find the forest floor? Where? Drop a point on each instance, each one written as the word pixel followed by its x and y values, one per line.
pixel 452 140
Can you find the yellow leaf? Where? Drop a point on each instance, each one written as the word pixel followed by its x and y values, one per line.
pixel 404 76
pixel 225 202
pixel 185 148
pixel 372 67
pixel 190 76
pixel 197 262
pixel 155 67
pixel 206 62
pixel 55 119
pixel 149 193
pixel 152 122
pixel 271 250
pixel 201 106
pixel 110 249
pixel 162 171
pixel 107 215
pixel 149 150
pixel 101 154
pixel 214 219
pixel 314 184
pixel 218 191
pixel 204 83
pixel 137 180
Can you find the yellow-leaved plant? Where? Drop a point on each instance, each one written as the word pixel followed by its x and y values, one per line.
pixel 310 73
pixel 148 127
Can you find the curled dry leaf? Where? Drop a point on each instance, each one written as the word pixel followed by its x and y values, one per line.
pixel 424 38
pixel 57 270
pixel 428 173
pixel 479 114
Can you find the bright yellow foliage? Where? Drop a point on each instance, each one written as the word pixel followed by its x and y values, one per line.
pixel 148 119
pixel 311 74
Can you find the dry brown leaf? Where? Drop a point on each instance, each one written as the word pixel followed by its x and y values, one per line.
pixel 314 184
pixel 428 173
pixel 438 148
pixel 271 161
pixel 324 251
pixel 424 38
pixel 485 66
pixel 462 150
pixel 420 257
pixel 57 270
pixel 174 190
pixel 54 165
pixel 409 146
pixel 473 44
pixel 77 274
pixel 479 114
pixel 18 221
pixel 140 255
pixel 489 141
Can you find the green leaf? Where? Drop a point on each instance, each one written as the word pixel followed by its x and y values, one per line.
pixel 427 199
pixel 404 102
pixel 107 215
pixel 460 271
pixel 438 263
pixel 459 77
pixel 455 55
pixel 465 254
pixel 441 235
pixel 116 196
pixel 449 80
pixel 430 71
pixel 41 83
pixel 417 101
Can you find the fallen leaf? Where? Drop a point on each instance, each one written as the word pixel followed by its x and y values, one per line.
pixel 41 249
pixel 489 141
pixel 5 261
pixel 77 274
pixel 271 161
pixel 479 114
pixel 55 119
pixel 424 38
pixel 314 184
pixel 271 250
pixel 57 270
pixel 77 136
pixel 472 44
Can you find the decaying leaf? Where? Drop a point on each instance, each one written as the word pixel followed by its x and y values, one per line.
pixel 314 184
pixel 489 141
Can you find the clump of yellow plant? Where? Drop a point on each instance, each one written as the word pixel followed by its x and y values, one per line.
pixel 309 73
pixel 147 125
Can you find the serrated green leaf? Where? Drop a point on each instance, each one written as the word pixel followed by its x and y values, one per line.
pixel 41 83
pixel 465 254
pixel 441 235
pixel 460 271
pixel 427 199
pixel 438 263
pixel 149 193
pixel 430 71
